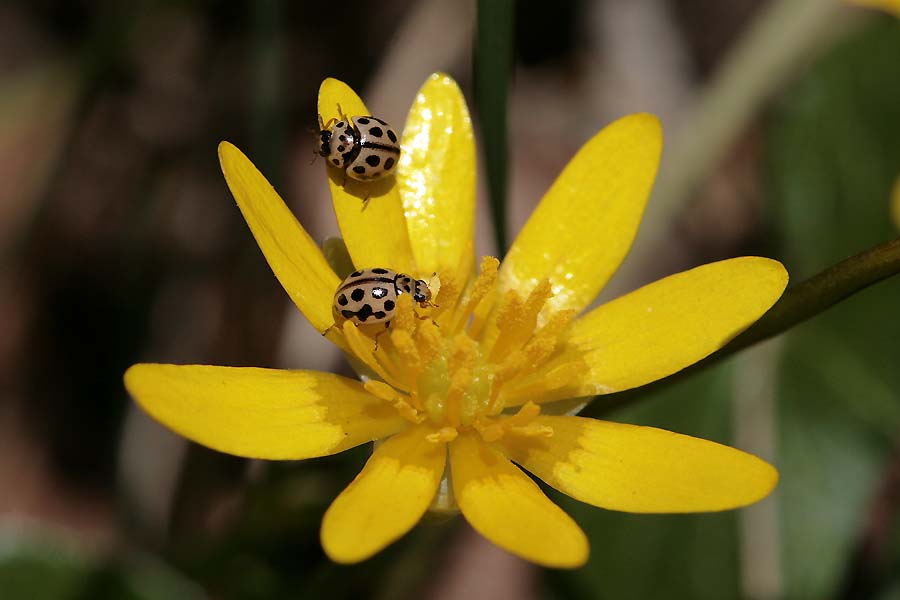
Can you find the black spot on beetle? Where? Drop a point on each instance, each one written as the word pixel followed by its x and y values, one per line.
pixel 362 121
pixel 364 313
pixel 380 314
pixel 347 313
pixel 340 124
pixel 379 120
pixel 340 148
pixel 389 164
pixel 379 293
pixel 342 300
pixel 373 160
pixel 380 271
pixel 342 138
pixel 336 161
pixel 357 294
pixel 389 305
pixel 359 169
pixel 391 135
pixel 356 273
pixel 376 132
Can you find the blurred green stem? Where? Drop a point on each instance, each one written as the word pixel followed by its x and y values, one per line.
pixel 493 65
pixel 799 303
pixel 267 111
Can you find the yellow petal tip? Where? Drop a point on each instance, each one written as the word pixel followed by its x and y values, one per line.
pixel 645 123
pixel 228 153
pixel 331 82
pixel 441 78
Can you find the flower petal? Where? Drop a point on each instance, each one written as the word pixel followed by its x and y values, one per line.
pixel 436 176
pixel 370 215
pixel 662 327
pixel 504 505
pixel 386 499
pixel 262 413
pixel 585 223
pixel 641 469
pixel 294 257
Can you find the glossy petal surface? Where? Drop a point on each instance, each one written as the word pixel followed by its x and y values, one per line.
pixel 436 176
pixel 584 225
pixel 293 256
pixel 386 499
pixel 641 469
pixel 504 505
pixel 262 413
pixel 370 215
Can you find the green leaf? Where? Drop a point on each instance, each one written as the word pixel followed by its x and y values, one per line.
pixel 41 565
pixel 835 154
pixel 493 65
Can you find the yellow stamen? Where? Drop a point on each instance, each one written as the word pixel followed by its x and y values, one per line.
pixel 399 402
pixel 549 380
pixel 522 423
pixel 442 435
pixel 405 318
pixel 448 296
pixel 445 363
pixel 364 348
pixel 406 347
pixel 516 320
pixel 478 300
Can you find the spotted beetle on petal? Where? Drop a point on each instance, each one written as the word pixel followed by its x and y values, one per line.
pixel 369 296
pixel 365 147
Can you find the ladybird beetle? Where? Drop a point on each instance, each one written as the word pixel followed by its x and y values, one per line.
pixel 366 148
pixel 369 296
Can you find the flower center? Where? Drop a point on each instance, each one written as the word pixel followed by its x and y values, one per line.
pixel 471 355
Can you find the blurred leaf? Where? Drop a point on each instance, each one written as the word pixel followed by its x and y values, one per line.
pixel 663 556
pixel 835 154
pixel 493 64
pixel 41 566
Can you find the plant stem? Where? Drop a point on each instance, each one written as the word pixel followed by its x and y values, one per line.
pixel 799 303
pixel 493 66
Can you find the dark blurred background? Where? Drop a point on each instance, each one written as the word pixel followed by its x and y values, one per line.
pixel 119 243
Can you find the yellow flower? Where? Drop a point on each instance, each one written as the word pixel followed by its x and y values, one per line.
pixel 465 381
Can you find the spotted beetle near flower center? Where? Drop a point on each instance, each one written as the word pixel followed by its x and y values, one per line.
pixel 369 296
pixel 366 148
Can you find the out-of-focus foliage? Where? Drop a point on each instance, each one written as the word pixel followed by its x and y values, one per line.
pixel 835 150
pixel 36 566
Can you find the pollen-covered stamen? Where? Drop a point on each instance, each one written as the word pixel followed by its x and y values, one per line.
pixel 477 301
pixel 442 435
pixel 522 423
pixel 517 319
pixel 364 348
pixel 446 300
pixel 546 340
pixel 550 379
pixel 395 399
pixel 434 367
